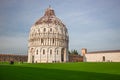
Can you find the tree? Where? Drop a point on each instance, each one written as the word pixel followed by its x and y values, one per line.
pixel 69 52
pixel 73 52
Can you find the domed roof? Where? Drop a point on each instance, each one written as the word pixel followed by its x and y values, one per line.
pixel 49 18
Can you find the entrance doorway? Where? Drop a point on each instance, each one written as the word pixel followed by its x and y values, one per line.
pixel 32 56
pixel 103 58
pixel 63 55
pixel 32 59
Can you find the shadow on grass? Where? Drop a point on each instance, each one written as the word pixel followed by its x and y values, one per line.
pixel 31 73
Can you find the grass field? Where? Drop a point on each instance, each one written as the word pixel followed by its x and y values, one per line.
pixel 60 71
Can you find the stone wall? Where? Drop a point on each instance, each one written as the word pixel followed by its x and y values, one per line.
pixel 75 58
pixel 13 57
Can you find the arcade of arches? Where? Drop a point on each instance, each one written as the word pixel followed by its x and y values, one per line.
pixel 48 40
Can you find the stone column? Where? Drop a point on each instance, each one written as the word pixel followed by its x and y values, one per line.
pixel 65 55
pixel 49 41
pixel 55 41
pixel 45 41
pixel 40 55
pixel 29 58
pixel 40 41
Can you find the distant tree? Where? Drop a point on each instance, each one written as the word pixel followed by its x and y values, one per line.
pixel 73 52
pixel 69 52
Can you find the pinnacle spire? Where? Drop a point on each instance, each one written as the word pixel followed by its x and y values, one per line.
pixel 49 3
pixel 49 6
pixel 49 12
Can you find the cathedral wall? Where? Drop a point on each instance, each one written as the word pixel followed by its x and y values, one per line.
pixel 102 57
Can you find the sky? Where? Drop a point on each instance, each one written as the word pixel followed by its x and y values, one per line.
pixel 91 24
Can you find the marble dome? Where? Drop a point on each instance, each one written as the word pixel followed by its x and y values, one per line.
pixel 48 40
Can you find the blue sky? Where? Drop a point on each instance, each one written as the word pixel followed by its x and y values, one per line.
pixel 92 24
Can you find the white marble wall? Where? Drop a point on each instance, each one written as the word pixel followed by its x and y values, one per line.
pixel 49 33
pixel 98 57
pixel 46 56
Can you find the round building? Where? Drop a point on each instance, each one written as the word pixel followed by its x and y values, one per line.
pixel 48 40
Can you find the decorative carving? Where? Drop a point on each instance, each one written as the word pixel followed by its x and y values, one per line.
pixel 48 31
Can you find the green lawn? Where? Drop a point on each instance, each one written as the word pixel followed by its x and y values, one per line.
pixel 60 71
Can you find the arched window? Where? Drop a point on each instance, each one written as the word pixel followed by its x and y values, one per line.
pixel 57 52
pixel 44 29
pixel 42 41
pixel 103 58
pixel 50 52
pixel 38 30
pixel 43 52
pixel 37 52
pixel 53 41
pixel 31 51
pixel 50 29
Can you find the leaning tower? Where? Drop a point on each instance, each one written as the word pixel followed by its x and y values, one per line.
pixel 48 40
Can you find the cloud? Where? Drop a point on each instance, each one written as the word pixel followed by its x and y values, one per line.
pixel 96 40
pixel 91 24
pixel 14 44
